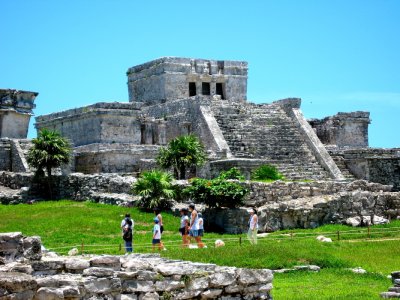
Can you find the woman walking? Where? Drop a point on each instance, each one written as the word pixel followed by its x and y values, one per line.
pixel 184 228
pixel 157 213
pixel 194 226
pixel 253 227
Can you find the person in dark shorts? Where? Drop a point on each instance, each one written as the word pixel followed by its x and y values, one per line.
pixel 157 235
pixel 157 213
pixel 201 225
pixel 194 226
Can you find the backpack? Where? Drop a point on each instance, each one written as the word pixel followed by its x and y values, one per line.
pixel 127 236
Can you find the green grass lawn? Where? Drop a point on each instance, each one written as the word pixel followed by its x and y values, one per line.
pixel 67 224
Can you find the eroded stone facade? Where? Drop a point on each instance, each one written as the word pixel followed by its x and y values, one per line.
pixel 16 109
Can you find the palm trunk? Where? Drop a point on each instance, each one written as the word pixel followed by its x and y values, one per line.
pixel 49 182
pixel 182 171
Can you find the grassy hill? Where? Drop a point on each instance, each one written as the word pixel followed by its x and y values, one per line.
pixel 65 224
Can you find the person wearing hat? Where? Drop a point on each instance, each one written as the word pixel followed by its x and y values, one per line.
pixel 253 227
pixel 157 235
pixel 184 228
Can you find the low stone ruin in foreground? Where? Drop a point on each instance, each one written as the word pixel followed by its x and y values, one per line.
pixel 25 274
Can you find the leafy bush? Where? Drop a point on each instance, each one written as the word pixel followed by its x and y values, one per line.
pixel 233 173
pixel 156 189
pixel 217 192
pixel 266 172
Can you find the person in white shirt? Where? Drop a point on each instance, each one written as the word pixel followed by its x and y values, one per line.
pixel 253 227
pixel 194 226
pixel 157 235
pixel 201 225
pixel 127 232
pixel 184 228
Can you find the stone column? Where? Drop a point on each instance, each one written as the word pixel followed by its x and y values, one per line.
pixel 148 133
pixel 162 132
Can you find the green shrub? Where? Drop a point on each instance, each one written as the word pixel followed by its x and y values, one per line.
pixel 156 189
pixel 233 173
pixel 266 172
pixel 217 192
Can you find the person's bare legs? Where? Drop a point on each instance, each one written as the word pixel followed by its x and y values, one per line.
pixel 199 242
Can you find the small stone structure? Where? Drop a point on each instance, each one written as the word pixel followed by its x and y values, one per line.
pixel 15 112
pixel 170 78
pixel 343 129
pixel 394 292
pixel 16 109
pixel 25 274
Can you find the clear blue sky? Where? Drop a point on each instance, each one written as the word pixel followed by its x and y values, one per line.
pixel 335 55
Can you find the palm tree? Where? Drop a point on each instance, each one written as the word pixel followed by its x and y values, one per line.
pixel 182 152
pixel 156 189
pixel 50 150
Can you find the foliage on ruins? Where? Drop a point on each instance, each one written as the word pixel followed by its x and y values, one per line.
pixel 217 192
pixel 155 188
pixel 266 173
pixel 183 152
pixel 232 173
pixel 50 150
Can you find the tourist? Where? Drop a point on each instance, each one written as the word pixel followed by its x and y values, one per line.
pixel 127 232
pixel 194 226
pixel 201 225
pixel 157 235
pixel 157 213
pixel 184 228
pixel 253 227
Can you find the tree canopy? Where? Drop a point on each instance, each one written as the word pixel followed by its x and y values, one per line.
pixel 182 153
pixel 50 150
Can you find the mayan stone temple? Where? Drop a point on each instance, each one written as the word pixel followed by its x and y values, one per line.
pixel 172 96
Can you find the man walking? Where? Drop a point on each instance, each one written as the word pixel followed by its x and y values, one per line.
pixel 127 232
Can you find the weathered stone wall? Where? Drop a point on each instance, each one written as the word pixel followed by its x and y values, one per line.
pixel 98 123
pixel 28 276
pixel 376 165
pixel 283 205
pixel 168 78
pixel 75 186
pixel 115 158
pixel 188 116
pixel 16 109
pixel 5 155
pixel 343 129
pixel 13 154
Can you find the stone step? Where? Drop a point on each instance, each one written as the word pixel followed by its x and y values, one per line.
pixel 254 131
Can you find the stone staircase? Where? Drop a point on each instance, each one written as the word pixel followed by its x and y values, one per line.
pixel 340 162
pixel 266 132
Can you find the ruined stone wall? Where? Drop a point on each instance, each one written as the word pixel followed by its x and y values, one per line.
pixel 284 205
pixel 376 165
pixel 115 158
pixel 5 155
pixel 28 276
pixel 186 116
pixel 343 129
pixel 169 78
pixel 99 123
